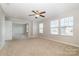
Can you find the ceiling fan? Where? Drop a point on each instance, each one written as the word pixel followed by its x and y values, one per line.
pixel 37 13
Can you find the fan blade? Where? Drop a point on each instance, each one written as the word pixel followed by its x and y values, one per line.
pixel 37 11
pixel 33 11
pixel 42 15
pixel 32 15
pixel 42 12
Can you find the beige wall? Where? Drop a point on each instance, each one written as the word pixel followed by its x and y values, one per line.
pixel 64 39
pixel 2 28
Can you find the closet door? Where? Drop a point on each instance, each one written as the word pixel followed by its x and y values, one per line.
pixel 8 31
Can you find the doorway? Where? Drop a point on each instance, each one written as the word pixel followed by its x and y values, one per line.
pixel 19 31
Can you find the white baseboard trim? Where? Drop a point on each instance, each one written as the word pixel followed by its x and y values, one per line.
pixel 64 42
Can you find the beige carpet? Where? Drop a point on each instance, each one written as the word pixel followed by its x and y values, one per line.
pixel 37 47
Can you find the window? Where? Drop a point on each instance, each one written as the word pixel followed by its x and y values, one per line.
pixel 54 27
pixel 27 28
pixel 63 26
pixel 41 28
pixel 66 26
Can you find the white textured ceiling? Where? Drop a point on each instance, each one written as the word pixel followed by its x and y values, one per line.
pixel 22 10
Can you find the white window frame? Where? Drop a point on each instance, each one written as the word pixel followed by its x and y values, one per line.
pixel 68 26
pixel 55 27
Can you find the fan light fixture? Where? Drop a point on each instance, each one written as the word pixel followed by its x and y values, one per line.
pixel 38 13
